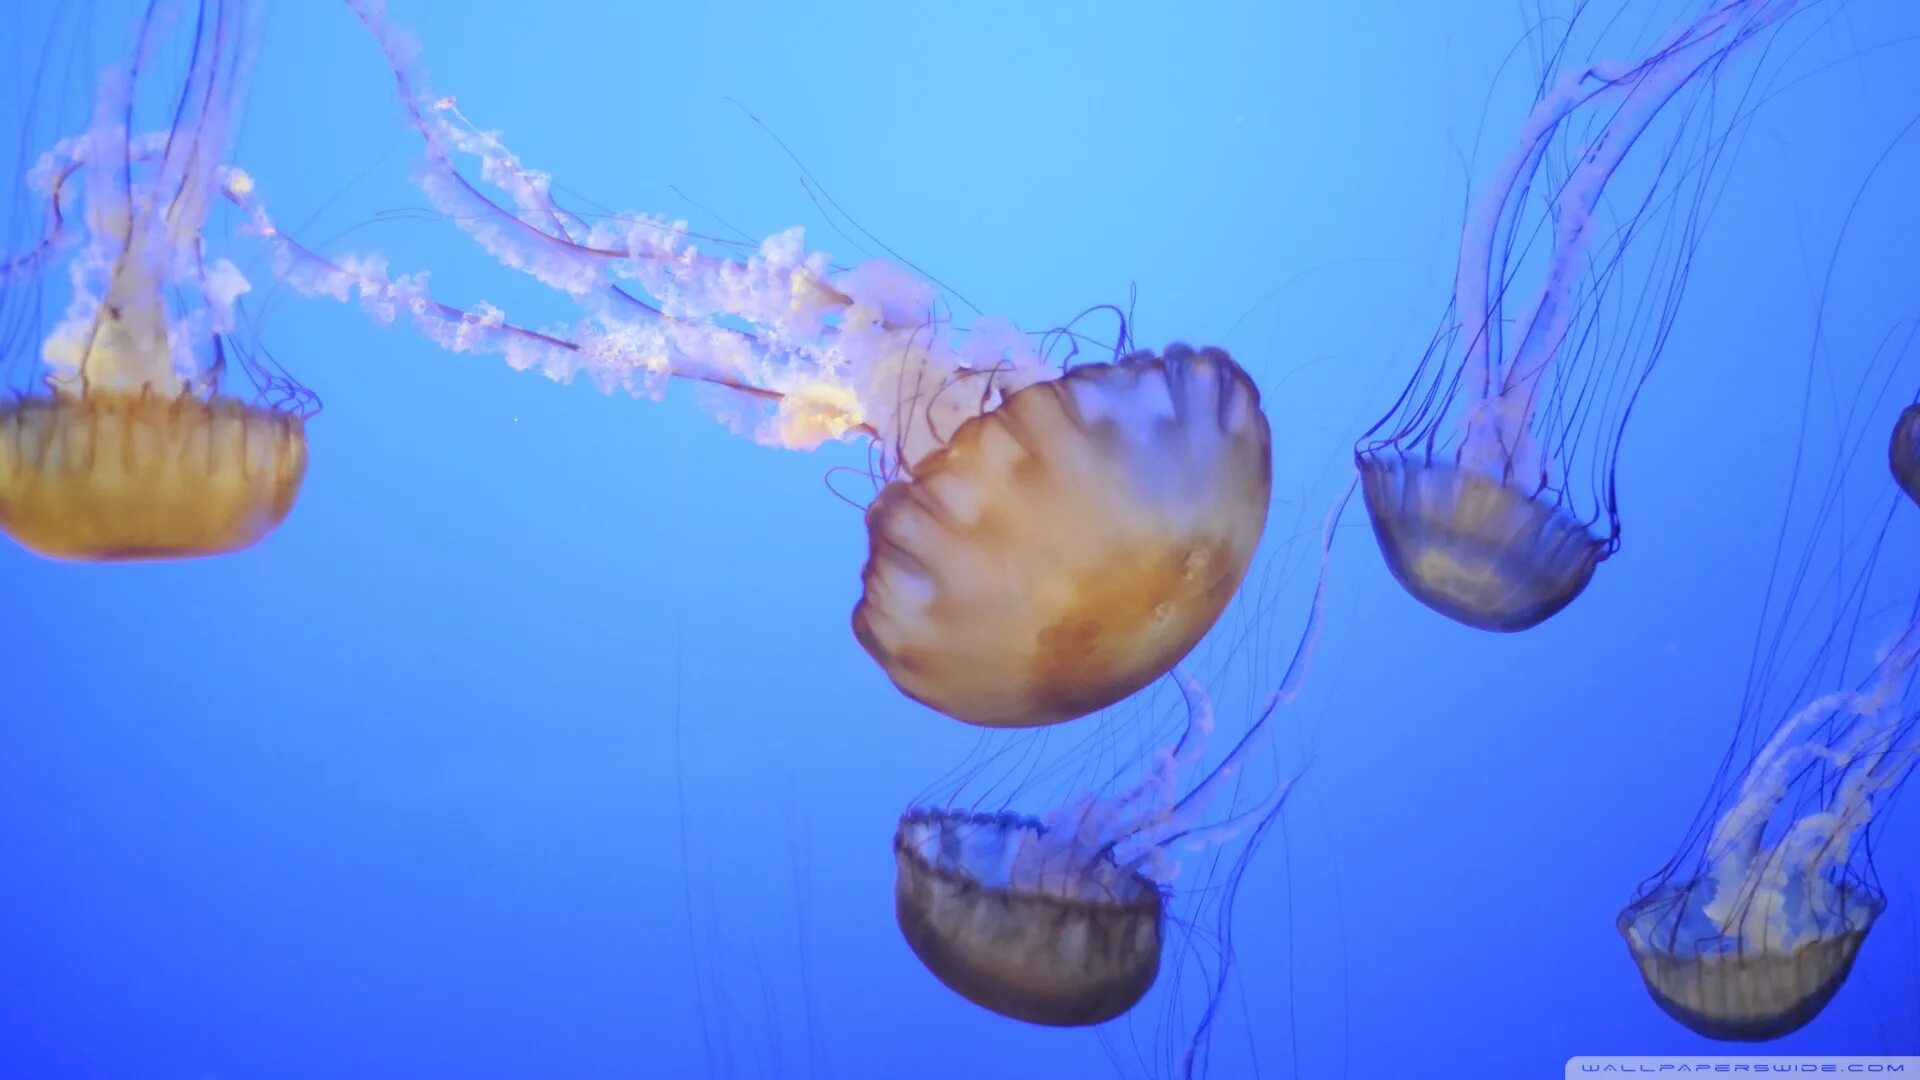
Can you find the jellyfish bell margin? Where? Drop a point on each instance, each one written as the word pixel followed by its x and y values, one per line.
pixel 1069 953
pixel 1473 548
pixel 1067 548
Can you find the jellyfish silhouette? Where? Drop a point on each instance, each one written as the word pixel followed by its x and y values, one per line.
pixel 1490 483
pixel 139 443
pixel 1903 454
pixel 1046 539
pixel 1753 927
pixel 1051 919
pixel 1060 917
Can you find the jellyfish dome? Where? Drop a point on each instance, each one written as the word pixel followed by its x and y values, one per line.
pixel 1727 987
pixel 1073 543
pixel 1490 483
pixel 1903 454
pixel 1011 926
pixel 133 448
pixel 1474 549
pixel 116 476
pixel 1046 537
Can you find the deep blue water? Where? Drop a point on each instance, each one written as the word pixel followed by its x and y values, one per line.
pixel 535 742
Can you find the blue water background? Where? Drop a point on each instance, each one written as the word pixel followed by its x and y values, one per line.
pixel 401 792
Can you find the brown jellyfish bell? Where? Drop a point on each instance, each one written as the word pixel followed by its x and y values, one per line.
pixel 1076 948
pixel 1903 453
pixel 1744 992
pixel 1473 548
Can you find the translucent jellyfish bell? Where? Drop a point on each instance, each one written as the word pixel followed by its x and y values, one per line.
pixel 1068 547
pixel 133 450
pixel 1903 454
pixel 1059 919
pixel 1473 548
pixel 1075 948
pixel 1724 987
pixel 1490 484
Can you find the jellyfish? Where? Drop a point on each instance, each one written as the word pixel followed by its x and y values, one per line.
pixel 1755 943
pixel 1490 483
pixel 139 443
pixel 1159 470
pixel 1057 919
pixel 1903 454
pixel 1046 538
pixel 1060 917
pixel 1750 931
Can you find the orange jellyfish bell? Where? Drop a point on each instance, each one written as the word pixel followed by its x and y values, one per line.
pixel 115 475
pixel 1065 549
